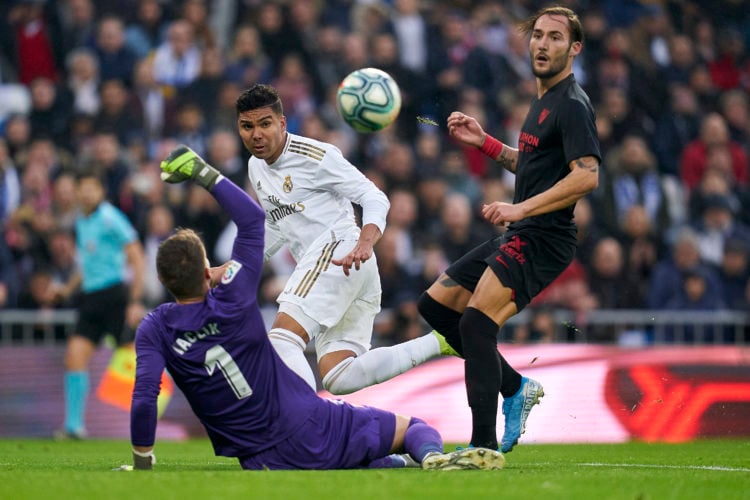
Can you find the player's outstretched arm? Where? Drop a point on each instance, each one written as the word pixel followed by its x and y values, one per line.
pixel 183 163
pixel 467 130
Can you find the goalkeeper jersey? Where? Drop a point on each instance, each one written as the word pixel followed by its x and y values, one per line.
pixel 219 355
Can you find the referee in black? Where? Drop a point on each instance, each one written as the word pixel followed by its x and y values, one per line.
pixel 556 163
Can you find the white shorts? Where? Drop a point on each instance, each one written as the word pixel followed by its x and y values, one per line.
pixel 343 308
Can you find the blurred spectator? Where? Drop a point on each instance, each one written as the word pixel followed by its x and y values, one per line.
pixel 296 90
pixel 588 230
pixel 643 249
pixel 397 164
pixel 190 127
pixel 401 218
pixel 63 266
pixel 385 55
pixel 224 153
pixel 78 23
pixel 116 60
pixel 177 60
pixel 695 295
pixel 17 136
pixel 83 80
pixel 10 184
pixel 149 103
pixel 735 108
pixel 277 38
pixel 106 159
pixel 735 273
pixel 714 135
pixel 682 60
pixel 147 30
pixel 246 61
pixel 612 283
pixel 64 207
pixel 460 233
pixel 540 328
pixel 401 289
pixel 117 113
pixel 718 225
pixel 196 13
pixel 159 226
pixel 725 68
pixel 454 170
pixel 715 181
pixel 676 128
pixel 633 179
pixel 50 110
pixel 32 40
pixel 9 282
pixel 204 90
pixel 448 55
pixel 668 275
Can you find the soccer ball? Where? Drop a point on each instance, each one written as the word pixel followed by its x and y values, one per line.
pixel 368 99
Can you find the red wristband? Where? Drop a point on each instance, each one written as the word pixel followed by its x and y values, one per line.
pixel 492 147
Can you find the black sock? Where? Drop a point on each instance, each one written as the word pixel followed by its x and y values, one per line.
pixel 443 319
pixel 483 374
pixel 511 379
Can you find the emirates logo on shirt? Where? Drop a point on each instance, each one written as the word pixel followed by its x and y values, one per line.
pixel 543 115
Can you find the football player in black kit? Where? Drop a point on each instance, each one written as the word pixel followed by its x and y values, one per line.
pixel 556 163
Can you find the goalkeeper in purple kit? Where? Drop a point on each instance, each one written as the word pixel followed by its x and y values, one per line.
pixel 214 344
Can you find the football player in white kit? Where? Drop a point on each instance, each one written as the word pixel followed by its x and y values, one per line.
pixel 306 188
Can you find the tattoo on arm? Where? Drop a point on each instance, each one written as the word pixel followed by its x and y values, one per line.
pixel 592 168
pixel 507 161
pixel 449 282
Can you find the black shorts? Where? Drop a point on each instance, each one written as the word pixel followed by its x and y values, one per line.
pixel 526 261
pixel 103 312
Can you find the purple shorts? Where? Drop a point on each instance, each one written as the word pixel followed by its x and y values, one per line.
pixel 337 436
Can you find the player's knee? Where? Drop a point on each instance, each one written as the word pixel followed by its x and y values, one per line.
pixel 343 378
pixel 281 336
pixel 426 306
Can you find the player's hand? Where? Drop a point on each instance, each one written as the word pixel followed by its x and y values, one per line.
pixel 466 129
pixel 359 254
pixel 183 163
pixel 499 213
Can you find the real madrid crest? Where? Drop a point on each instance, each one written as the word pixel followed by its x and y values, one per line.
pixel 287 186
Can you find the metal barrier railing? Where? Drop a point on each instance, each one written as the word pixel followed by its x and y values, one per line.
pixel 638 326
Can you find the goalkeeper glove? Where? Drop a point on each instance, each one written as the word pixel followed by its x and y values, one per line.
pixel 183 163
pixel 143 461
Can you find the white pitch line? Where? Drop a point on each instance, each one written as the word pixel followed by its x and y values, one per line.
pixel 656 466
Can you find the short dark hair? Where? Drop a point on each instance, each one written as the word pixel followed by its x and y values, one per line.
pixel 574 24
pixel 259 96
pixel 180 262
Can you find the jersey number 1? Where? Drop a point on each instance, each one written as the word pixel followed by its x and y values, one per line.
pixel 217 356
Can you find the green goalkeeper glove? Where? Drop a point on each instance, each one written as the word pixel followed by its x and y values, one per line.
pixel 183 163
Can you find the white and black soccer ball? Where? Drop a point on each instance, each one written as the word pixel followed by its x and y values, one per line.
pixel 368 99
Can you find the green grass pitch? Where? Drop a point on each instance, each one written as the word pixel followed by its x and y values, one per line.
pixel 37 469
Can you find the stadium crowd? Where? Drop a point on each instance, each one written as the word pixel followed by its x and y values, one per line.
pixel 116 85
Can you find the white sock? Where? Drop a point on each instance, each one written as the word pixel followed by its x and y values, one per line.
pixel 291 349
pixel 379 365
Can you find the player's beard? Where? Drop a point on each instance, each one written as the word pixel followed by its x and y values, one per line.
pixel 556 66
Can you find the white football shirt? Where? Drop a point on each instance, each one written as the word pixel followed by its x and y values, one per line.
pixel 307 194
